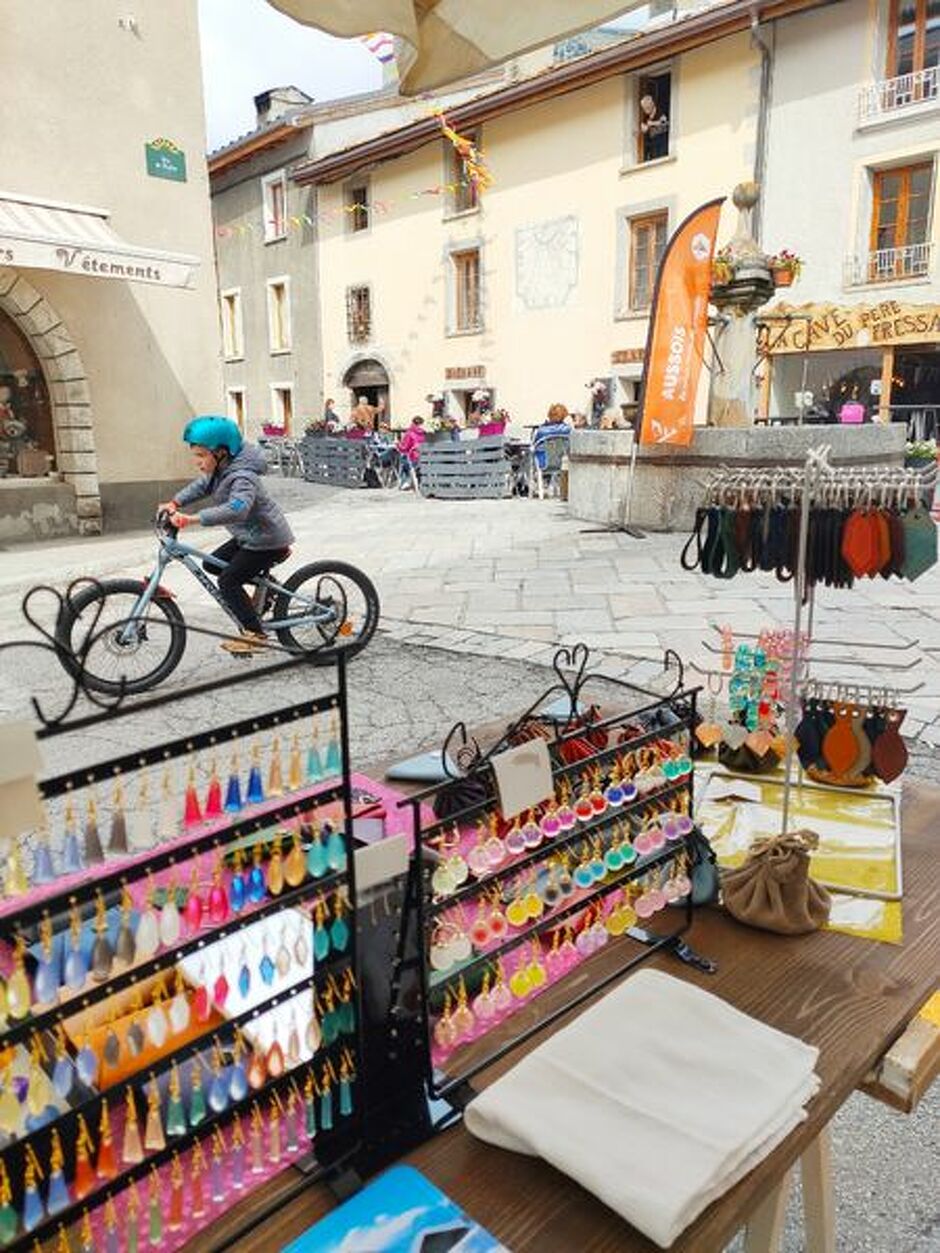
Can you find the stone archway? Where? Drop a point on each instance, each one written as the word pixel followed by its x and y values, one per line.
pixel 368 375
pixel 64 371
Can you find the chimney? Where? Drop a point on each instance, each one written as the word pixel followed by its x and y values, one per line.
pixel 276 101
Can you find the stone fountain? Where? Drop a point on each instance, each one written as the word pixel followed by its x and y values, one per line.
pixel 668 482
pixel 747 288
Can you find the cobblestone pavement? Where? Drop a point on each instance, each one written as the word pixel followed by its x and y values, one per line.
pixel 475 596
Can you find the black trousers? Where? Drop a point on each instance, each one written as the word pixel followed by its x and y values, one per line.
pixel 244 564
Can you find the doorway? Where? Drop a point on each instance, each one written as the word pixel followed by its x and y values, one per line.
pixel 369 378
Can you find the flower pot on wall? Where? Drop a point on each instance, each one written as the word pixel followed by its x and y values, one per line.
pixel 783 278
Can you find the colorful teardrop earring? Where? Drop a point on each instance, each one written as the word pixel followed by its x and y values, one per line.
pixel 257 884
pixel 213 804
pixel 275 778
pixel 192 811
pixel 218 901
pixel 295 774
pixel 218 1087
pixel 335 850
pixel 154 1140
pixel 46 978
pixel 233 789
pixel 314 760
pixel 43 869
pixel 339 929
pixel 254 793
pixel 76 967
pixel 132 1150
pixel 295 869
pixel 102 954
pixel 317 864
pixel 237 890
pixel 333 763
pixel 276 867
pixel 147 938
pixel 71 851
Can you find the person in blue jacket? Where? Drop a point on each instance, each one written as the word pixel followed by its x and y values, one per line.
pixel 230 473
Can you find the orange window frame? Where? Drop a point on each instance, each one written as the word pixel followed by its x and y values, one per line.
pixel 920 37
pixel 649 224
pixel 906 174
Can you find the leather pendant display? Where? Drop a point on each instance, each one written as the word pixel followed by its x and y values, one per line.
pixel 860 544
pixel 889 752
pixel 862 743
pixel 807 737
pixel 920 543
pixel 840 747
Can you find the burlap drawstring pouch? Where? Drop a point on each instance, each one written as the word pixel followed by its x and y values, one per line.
pixel 773 890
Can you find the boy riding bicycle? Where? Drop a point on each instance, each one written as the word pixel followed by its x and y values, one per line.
pixel 230 472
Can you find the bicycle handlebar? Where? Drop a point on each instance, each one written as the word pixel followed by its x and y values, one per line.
pixel 163 525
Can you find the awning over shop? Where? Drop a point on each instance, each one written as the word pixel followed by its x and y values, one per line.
pixel 440 41
pixel 49 235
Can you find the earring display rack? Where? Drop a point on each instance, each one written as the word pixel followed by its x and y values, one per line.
pixel 179 979
pixel 507 909
pixel 818 524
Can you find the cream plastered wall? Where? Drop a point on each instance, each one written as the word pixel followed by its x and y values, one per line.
pixel 818 196
pixel 81 96
pixel 566 158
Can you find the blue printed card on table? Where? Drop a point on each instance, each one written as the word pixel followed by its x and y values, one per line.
pixel 400 1212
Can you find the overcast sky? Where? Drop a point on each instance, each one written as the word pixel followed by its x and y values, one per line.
pixel 247 47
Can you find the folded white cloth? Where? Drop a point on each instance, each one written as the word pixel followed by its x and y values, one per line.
pixel 657 1099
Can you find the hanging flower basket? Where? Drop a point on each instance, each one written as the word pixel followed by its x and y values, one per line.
pixel 785 268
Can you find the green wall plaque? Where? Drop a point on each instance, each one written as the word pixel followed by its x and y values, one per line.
pixel 165 160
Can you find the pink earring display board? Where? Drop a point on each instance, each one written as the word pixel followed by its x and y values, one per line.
pixel 521 918
pixel 179 1015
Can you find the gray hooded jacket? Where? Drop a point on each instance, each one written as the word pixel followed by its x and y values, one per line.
pixel 240 502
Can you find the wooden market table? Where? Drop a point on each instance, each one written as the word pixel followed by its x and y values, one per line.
pixel 851 998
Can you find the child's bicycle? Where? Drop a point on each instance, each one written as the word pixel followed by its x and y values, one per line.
pixel 127 635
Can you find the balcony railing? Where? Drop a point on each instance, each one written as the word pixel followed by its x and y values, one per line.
pixel 889 265
pixel 893 95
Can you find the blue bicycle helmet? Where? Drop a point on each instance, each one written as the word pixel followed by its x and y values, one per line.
pixel 209 431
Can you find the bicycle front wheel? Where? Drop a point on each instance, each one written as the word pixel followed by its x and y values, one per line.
pixel 107 650
pixel 340 604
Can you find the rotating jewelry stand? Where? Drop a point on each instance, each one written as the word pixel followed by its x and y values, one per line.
pixel 308 1079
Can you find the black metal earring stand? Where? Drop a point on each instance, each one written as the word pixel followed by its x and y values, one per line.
pixel 408 1099
pixel 331 1148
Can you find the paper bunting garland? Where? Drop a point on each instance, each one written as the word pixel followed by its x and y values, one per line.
pixel 478 176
